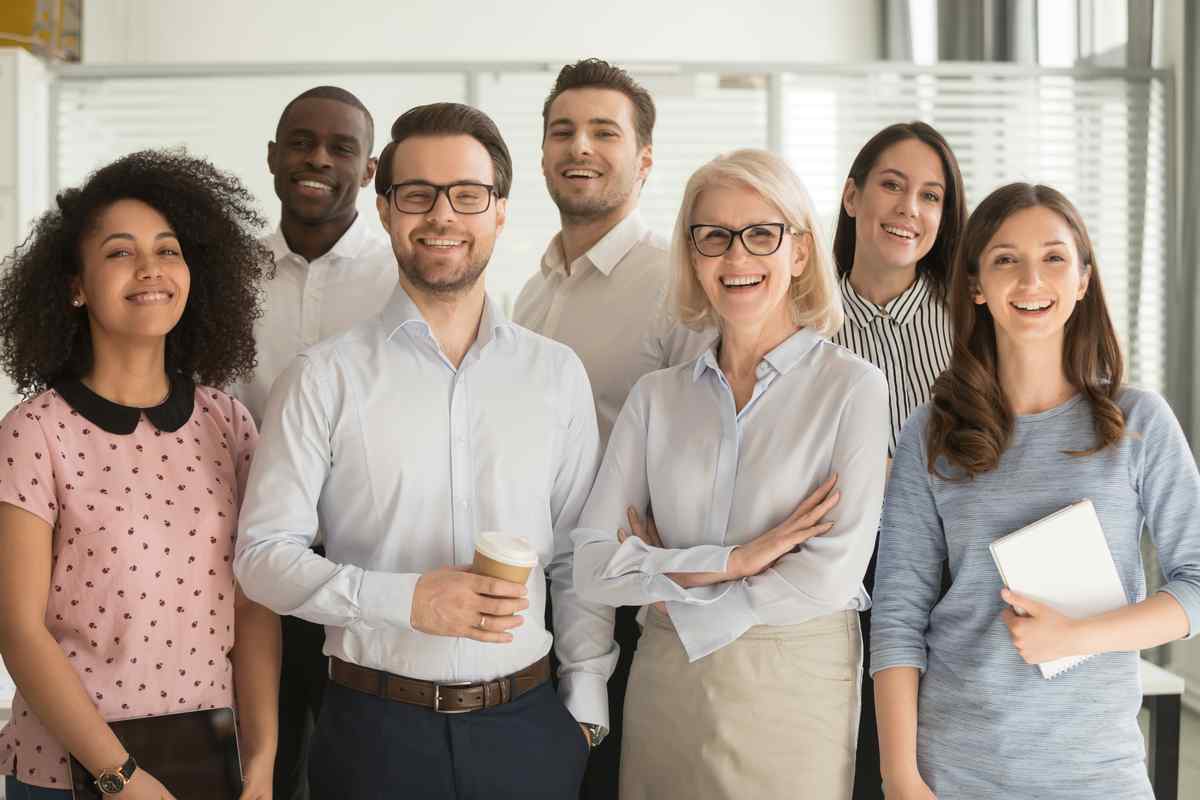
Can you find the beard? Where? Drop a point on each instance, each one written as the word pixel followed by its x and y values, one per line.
pixel 443 281
pixel 576 209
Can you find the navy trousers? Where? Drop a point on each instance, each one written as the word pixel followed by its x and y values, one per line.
pixel 868 785
pixel 302 680
pixel 368 748
pixel 15 790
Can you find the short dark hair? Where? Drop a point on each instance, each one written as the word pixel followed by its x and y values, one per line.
pixel 331 93
pixel 447 119
pixel 935 266
pixel 596 73
pixel 44 339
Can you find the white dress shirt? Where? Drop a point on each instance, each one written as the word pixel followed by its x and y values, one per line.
pixel 609 307
pixel 717 478
pixel 401 459
pixel 308 301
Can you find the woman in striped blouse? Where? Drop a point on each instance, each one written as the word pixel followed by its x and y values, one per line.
pixel 901 217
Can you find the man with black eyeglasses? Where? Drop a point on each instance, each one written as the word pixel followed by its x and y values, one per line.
pixel 332 270
pixel 602 284
pixel 405 440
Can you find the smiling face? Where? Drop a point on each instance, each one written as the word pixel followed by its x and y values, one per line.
pixel 1030 277
pixel 745 289
pixel 321 160
pixel 442 252
pixel 134 282
pixel 590 156
pixel 898 209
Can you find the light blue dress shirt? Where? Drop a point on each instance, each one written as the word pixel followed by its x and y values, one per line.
pixel 717 477
pixel 400 459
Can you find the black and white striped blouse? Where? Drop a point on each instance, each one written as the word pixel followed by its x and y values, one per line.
pixel 909 339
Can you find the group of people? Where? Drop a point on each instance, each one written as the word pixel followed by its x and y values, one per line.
pixel 725 450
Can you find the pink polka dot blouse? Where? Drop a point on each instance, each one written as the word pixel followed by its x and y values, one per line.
pixel 143 507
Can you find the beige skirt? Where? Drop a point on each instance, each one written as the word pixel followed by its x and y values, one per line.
pixel 772 715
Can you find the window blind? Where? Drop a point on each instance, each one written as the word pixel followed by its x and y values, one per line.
pixel 1100 136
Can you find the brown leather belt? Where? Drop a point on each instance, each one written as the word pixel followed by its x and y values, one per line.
pixel 446 698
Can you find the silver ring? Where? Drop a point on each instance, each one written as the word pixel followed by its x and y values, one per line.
pixel 483 622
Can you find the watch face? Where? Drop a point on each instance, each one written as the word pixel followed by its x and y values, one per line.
pixel 110 782
pixel 597 734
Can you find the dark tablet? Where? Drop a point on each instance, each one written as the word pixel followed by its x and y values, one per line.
pixel 194 754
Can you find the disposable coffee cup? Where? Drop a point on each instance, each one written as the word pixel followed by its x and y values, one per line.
pixel 509 558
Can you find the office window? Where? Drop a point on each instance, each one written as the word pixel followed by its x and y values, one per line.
pixel 1098 135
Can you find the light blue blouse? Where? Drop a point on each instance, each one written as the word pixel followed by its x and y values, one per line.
pixel 717 478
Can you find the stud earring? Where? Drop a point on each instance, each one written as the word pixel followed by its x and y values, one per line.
pixel 77 303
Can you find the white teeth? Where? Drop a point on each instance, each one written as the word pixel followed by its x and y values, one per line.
pixel 1033 306
pixel 441 242
pixel 903 234
pixel 742 280
pixel 316 185
pixel 150 297
pixel 581 173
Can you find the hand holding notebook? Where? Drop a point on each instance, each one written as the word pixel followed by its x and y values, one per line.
pixel 1062 561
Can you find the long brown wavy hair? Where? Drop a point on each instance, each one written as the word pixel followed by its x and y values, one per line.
pixel 971 420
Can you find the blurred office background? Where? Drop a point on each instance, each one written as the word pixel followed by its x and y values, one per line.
pixel 1100 98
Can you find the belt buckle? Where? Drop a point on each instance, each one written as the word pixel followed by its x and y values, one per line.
pixel 437 698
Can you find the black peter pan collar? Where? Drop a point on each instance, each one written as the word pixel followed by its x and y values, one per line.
pixel 168 416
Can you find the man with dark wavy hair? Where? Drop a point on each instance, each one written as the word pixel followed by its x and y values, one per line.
pixel 332 270
pixel 406 440
pixel 602 282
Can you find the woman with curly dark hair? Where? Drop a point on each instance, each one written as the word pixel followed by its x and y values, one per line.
pixel 121 476
pixel 1031 416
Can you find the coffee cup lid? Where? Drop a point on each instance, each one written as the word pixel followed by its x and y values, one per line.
pixel 514 550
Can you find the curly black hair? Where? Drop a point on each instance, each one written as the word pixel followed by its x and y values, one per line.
pixel 44 339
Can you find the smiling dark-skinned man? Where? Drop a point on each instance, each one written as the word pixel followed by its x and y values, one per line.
pixel 334 268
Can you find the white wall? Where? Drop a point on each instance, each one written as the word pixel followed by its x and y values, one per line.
pixel 183 31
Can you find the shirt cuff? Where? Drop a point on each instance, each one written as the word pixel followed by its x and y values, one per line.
pixel 887 658
pixel 704 629
pixel 1187 596
pixel 585 694
pixel 701 558
pixel 385 598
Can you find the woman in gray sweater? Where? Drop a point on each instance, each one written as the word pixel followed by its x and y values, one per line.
pixel 1030 416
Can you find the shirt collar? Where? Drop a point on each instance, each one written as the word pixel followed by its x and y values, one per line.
pixel 401 312
pixel 782 359
pixel 168 416
pixel 605 254
pixel 901 309
pixel 348 246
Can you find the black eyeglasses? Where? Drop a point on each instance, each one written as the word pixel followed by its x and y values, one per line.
pixel 759 239
pixel 419 197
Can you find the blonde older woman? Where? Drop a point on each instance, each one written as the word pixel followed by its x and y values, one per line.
pixel 748 684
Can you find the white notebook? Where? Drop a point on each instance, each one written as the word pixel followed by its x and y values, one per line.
pixel 1063 561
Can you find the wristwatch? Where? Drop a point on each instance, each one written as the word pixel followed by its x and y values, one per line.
pixel 596 733
pixel 112 781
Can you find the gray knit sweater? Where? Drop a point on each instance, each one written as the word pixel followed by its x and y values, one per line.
pixel 989 726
